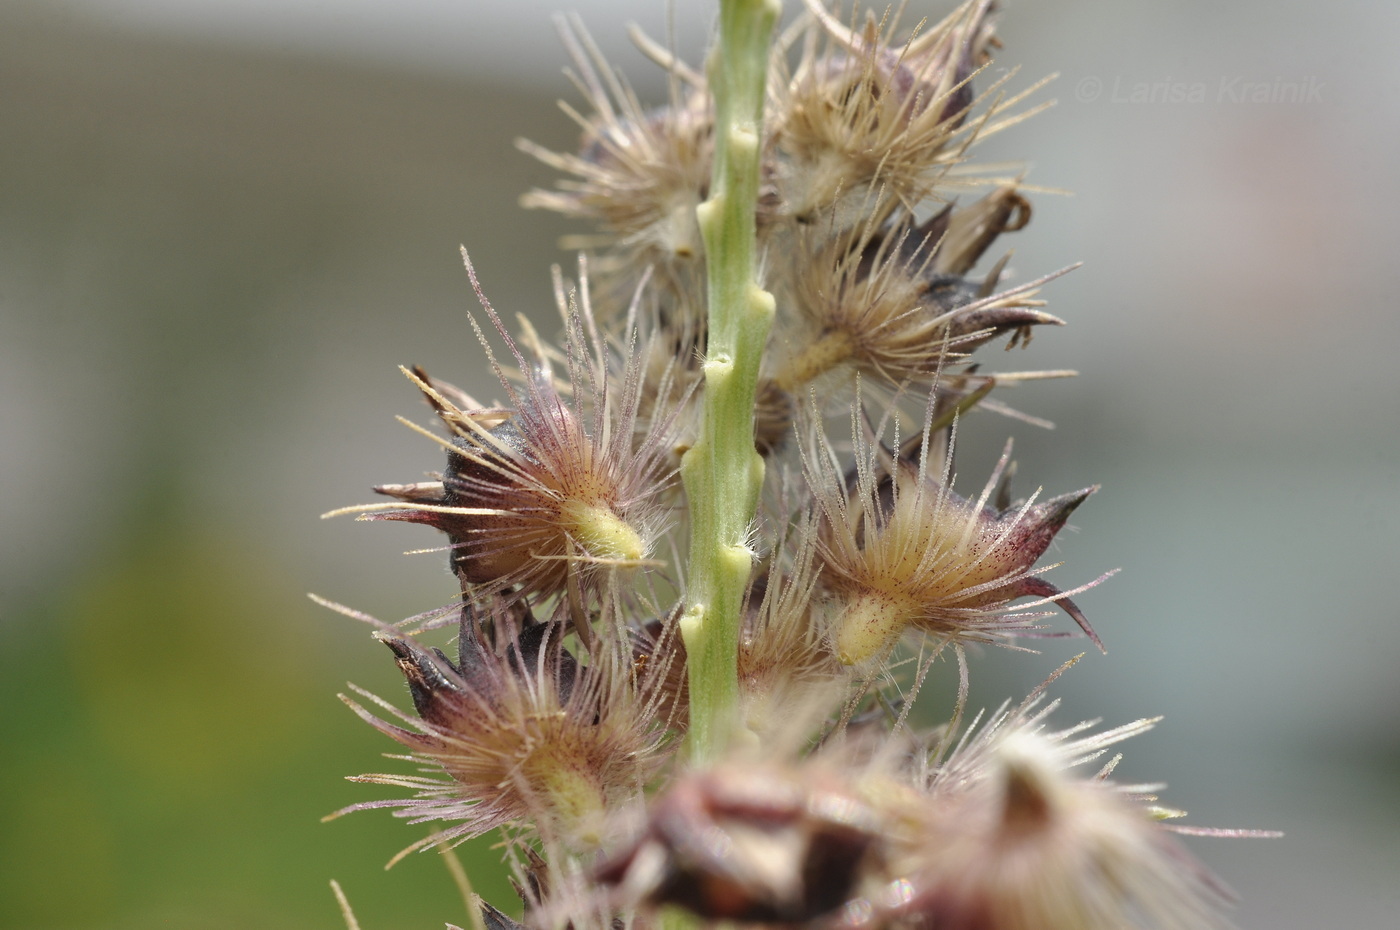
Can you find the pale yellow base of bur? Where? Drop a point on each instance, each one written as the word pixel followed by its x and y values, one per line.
pixel 816 359
pixel 868 625
pixel 601 532
pixel 575 798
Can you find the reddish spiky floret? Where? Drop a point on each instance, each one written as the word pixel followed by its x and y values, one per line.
pixel 547 488
pixel 640 173
pixel 880 113
pixel 521 731
pixel 901 551
pixel 884 303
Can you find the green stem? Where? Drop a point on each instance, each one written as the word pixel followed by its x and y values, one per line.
pixel 722 472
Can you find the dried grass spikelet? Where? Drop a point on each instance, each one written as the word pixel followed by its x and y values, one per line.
pixel 901 551
pixel 1013 838
pixel 864 110
pixel 523 734
pixel 882 302
pixel 562 483
pixel 964 233
pixel 640 173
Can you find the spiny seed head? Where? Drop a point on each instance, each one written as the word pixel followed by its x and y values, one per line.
pixel 900 550
pixel 523 732
pixel 879 302
pixel 640 173
pixel 869 111
pixel 809 797
pixel 1014 839
pixel 521 499
pixel 545 489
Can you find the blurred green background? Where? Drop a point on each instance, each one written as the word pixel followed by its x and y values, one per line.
pixel 223 225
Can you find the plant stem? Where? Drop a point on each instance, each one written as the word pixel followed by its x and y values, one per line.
pixel 722 473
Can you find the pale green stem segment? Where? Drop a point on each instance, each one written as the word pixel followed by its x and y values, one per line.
pixel 722 472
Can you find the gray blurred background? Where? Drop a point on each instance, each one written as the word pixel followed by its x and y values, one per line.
pixel 223 223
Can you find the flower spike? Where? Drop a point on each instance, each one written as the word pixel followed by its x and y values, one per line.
pixel 707 695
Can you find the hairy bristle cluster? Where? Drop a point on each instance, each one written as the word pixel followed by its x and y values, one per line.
pixel 900 550
pixel 892 302
pixel 522 731
pixel 558 486
pixel 640 173
pixel 1013 834
pixel 870 111
pixel 731 726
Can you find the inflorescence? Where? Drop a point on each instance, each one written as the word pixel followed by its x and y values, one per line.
pixel 562 720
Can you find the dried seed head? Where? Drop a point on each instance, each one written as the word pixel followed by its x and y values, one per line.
pixel 640 173
pixel 525 735
pixel 546 489
pixel 881 304
pixel 868 111
pixel 1014 839
pixel 900 550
